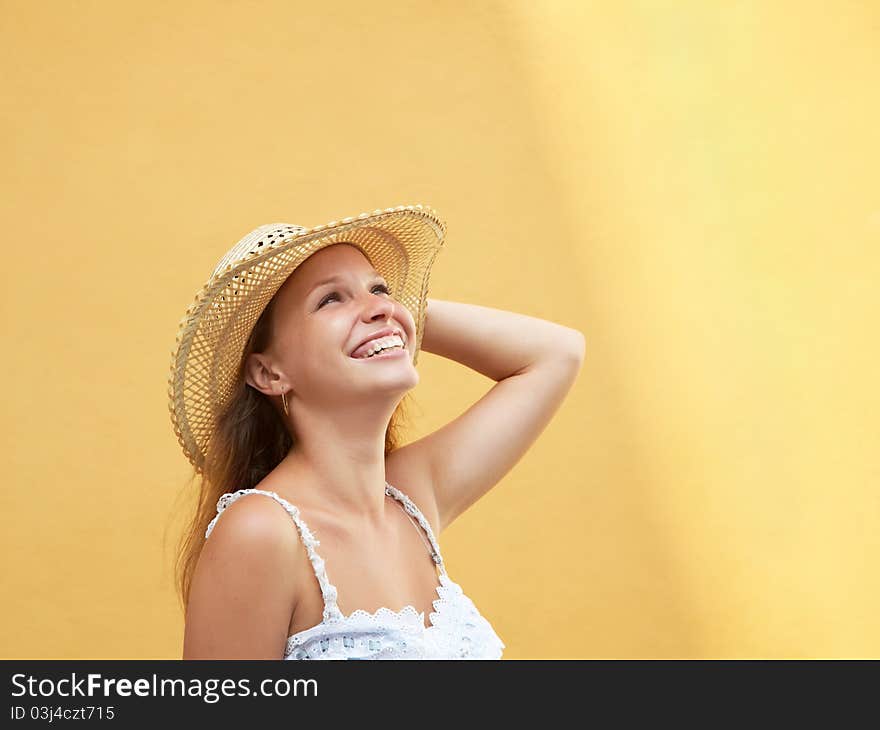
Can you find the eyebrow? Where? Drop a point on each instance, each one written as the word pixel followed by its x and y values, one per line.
pixel 336 278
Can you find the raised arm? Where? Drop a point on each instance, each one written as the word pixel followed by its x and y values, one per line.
pixel 534 363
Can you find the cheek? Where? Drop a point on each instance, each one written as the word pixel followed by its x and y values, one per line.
pixel 296 347
pixel 325 338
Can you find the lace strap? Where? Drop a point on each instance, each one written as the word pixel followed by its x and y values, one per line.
pixel 411 509
pixel 328 590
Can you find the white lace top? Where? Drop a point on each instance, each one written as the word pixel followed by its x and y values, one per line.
pixel 457 629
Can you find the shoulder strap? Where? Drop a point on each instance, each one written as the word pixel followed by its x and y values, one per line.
pixel 410 507
pixel 328 590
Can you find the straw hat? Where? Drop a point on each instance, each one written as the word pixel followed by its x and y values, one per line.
pixel 401 243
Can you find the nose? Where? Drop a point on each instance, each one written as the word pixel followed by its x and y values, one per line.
pixel 377 308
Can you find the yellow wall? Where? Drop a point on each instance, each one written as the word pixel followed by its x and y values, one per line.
pixel 693 185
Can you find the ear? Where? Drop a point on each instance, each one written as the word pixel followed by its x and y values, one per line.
pixel 261 375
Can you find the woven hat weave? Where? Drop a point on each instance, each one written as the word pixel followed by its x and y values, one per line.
pixel 401 244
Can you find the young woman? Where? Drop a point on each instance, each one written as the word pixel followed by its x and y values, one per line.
pixel 287 384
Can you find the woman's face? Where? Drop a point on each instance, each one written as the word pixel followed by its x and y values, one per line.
pixel 318 324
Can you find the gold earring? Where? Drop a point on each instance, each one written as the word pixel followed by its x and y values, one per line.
pixel 284 402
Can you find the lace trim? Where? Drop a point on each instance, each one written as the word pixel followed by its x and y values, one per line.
pixel 457 631
pixel 383 617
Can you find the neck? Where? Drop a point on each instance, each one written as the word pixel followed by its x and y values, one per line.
pixel 340 460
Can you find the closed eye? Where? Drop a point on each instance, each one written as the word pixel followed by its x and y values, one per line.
pixel 334 294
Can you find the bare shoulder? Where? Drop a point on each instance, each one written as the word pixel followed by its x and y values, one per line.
pixel 252 520
pixel 243 590
pixel 407 468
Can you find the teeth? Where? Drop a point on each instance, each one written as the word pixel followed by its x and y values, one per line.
pixel 386 347
pixel 384 343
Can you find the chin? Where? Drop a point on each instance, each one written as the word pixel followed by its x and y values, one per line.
pixel 398 375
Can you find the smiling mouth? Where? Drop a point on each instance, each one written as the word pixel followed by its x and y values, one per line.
pixel 395 340
pixel 387 352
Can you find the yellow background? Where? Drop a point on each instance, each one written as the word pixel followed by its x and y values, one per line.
pixel 692 185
